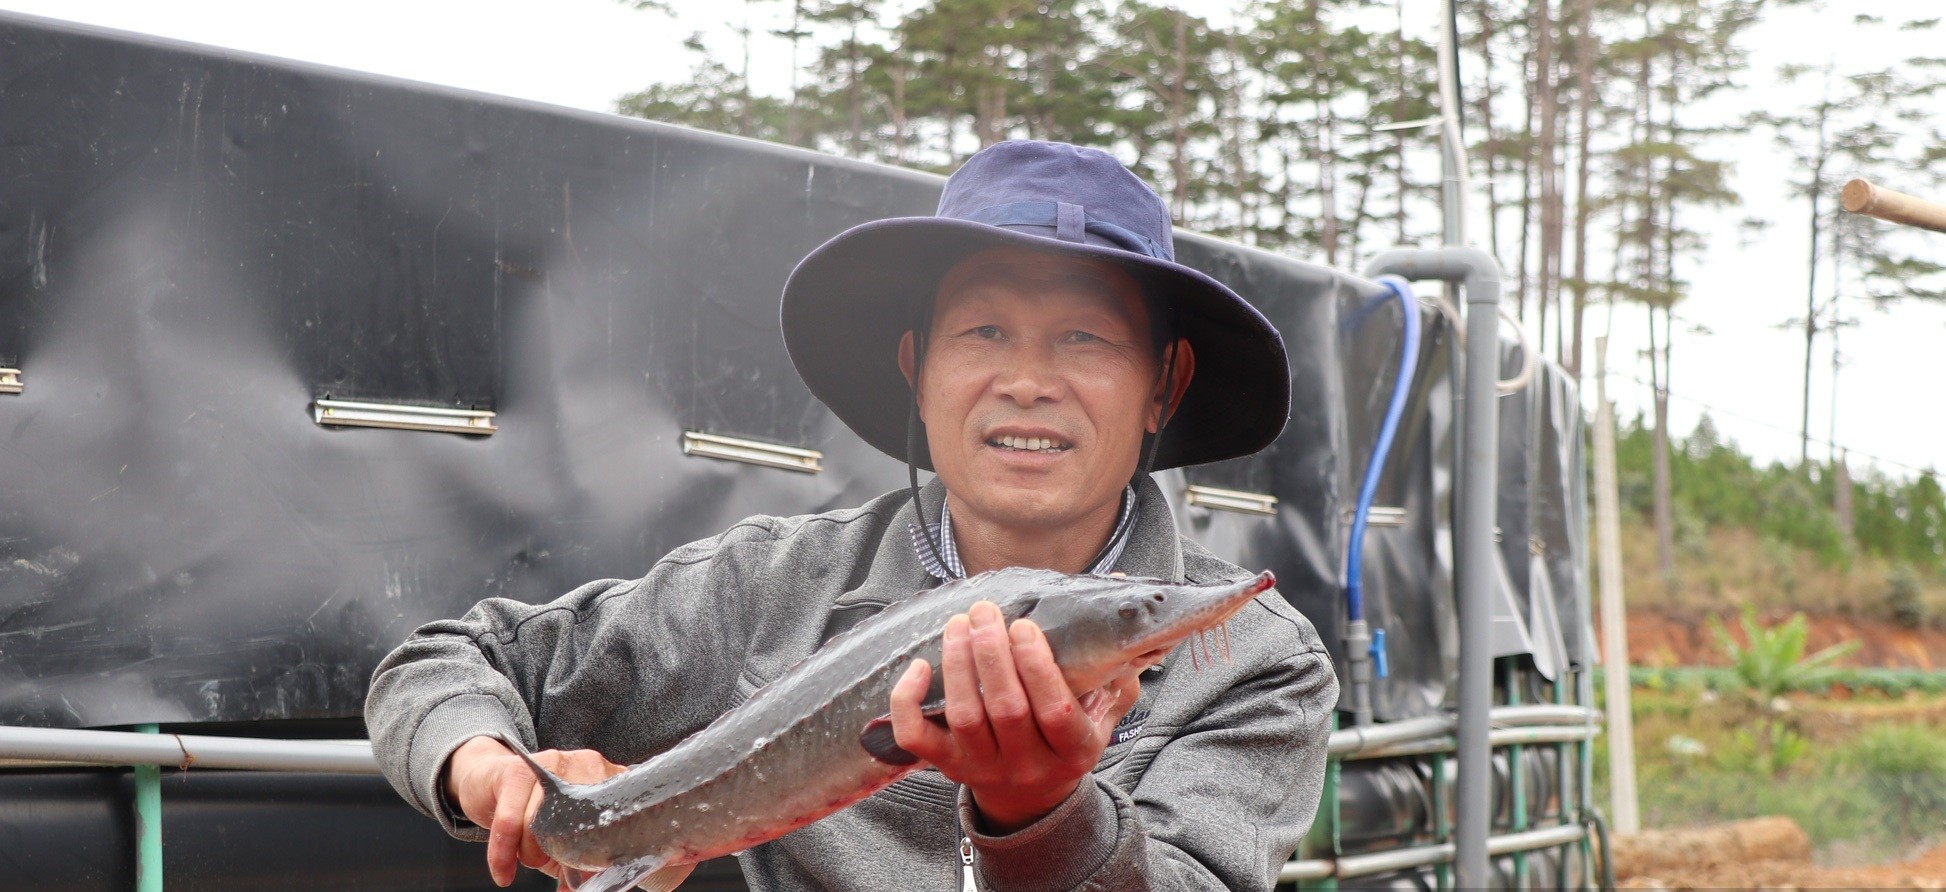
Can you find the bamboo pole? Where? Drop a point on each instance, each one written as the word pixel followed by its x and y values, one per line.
pixel 1862 197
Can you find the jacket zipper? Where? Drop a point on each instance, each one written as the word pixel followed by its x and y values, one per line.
pixel 966 866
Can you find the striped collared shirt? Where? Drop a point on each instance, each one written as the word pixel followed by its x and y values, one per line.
pixel 946 565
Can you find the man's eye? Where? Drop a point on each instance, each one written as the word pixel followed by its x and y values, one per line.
pixel 986 331
pixel 1082 337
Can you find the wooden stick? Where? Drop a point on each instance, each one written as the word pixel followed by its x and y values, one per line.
pixel 1861 197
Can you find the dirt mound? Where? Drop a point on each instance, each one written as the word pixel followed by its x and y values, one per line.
pixel 1762 853
pixel 1741 842
pixel 1664 638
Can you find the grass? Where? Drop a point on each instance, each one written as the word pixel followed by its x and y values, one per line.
pixel 1863 772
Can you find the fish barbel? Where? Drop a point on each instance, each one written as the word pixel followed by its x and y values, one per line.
pixel 819 738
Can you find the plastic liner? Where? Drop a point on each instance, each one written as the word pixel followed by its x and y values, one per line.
pixel 201 243
pixel 1303 469
pixel 1525 621
pixel 1560 511
pixel 1408 585
pixel 198 244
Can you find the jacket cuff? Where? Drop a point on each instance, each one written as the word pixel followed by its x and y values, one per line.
pixel 1058 852
pixel 451 723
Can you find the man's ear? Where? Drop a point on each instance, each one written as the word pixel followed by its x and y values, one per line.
pixel 1181 370
pixel 908 364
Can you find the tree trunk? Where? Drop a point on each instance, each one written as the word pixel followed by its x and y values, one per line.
pixel 1811 280
pixel 1239 173
pixel 791 133
pixel 1178 114
pixel 1491 141
pixel 1665 559
pixel 1528 78
pixel 1398 116
pixel 854 94
pixel 1841 494
pixel 1584 64
pixel 1548 273
pixel 898 112
pixel 745 91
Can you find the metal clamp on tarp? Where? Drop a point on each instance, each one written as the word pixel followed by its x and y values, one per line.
pixel 1231 500
pixel 751 452
pixel 10 381
pixel 1378 517
pixel 345 413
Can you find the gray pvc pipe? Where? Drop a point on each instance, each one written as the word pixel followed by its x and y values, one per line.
pixel 125 748
pixel 1479 275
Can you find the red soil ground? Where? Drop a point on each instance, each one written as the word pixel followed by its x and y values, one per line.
pixel 1675 638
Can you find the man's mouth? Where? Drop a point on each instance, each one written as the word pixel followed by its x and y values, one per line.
pixel 1042 445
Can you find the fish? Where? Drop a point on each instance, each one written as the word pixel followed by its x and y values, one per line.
pixel 819 738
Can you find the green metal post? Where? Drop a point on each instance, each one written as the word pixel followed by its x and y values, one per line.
pixel 1517 777
pixel 1442 829
pixel 1322 841
pixel 148 823
pixel 1564 774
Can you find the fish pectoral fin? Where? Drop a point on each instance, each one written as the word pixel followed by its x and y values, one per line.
pixel 667 878
pixel 877 739
pixel 647 872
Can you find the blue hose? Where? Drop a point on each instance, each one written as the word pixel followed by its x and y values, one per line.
pixel 1367 490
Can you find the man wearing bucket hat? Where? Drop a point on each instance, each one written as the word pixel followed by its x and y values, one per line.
pixel 1036 346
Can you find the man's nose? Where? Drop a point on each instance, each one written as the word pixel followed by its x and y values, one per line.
pixel 1031 376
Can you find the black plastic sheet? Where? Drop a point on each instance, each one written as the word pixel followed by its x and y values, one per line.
pixel 1408 568
pixel 197 244
pixel 1303 542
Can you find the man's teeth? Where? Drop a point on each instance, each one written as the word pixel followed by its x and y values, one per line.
pixel 1030 444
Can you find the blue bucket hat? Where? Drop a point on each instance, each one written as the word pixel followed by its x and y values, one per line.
pixel 848 303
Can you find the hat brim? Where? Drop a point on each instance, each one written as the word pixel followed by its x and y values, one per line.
pixel 848 304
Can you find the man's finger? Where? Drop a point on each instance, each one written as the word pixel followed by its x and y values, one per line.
pixel 909 725
pixel 1062 723
pixel 1008 710
pixel 531 853
pixel 509 826
pixel 965 713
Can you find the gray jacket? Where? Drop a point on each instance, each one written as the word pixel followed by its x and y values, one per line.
pixel 1208 783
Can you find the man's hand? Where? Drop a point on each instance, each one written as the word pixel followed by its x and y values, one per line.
pixel 1015 736
pixel 496 790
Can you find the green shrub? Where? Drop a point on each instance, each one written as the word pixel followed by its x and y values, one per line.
pixel 1904 768
pixel 1904 599
pixel 1772 662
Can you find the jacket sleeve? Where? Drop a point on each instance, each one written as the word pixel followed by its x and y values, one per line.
pixel 626 668
pixel 1222 806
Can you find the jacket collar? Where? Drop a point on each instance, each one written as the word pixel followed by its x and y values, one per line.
pixel 1153 548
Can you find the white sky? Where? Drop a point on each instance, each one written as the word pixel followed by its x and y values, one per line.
pixel 586 53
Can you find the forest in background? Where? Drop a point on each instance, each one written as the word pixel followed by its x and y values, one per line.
pixel 1594 129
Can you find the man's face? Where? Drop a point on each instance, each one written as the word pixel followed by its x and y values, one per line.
pixel 1040 379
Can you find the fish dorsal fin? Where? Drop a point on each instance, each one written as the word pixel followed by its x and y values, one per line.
pixel 648 871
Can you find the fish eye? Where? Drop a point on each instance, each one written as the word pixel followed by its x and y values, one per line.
pixel 1128 611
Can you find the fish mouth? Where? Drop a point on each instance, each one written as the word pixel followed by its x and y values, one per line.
pixel 1196 628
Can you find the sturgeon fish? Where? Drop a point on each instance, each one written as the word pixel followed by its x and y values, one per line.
pixel 819 738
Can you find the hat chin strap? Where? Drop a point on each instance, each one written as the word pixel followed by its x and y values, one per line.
pixel 912 448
